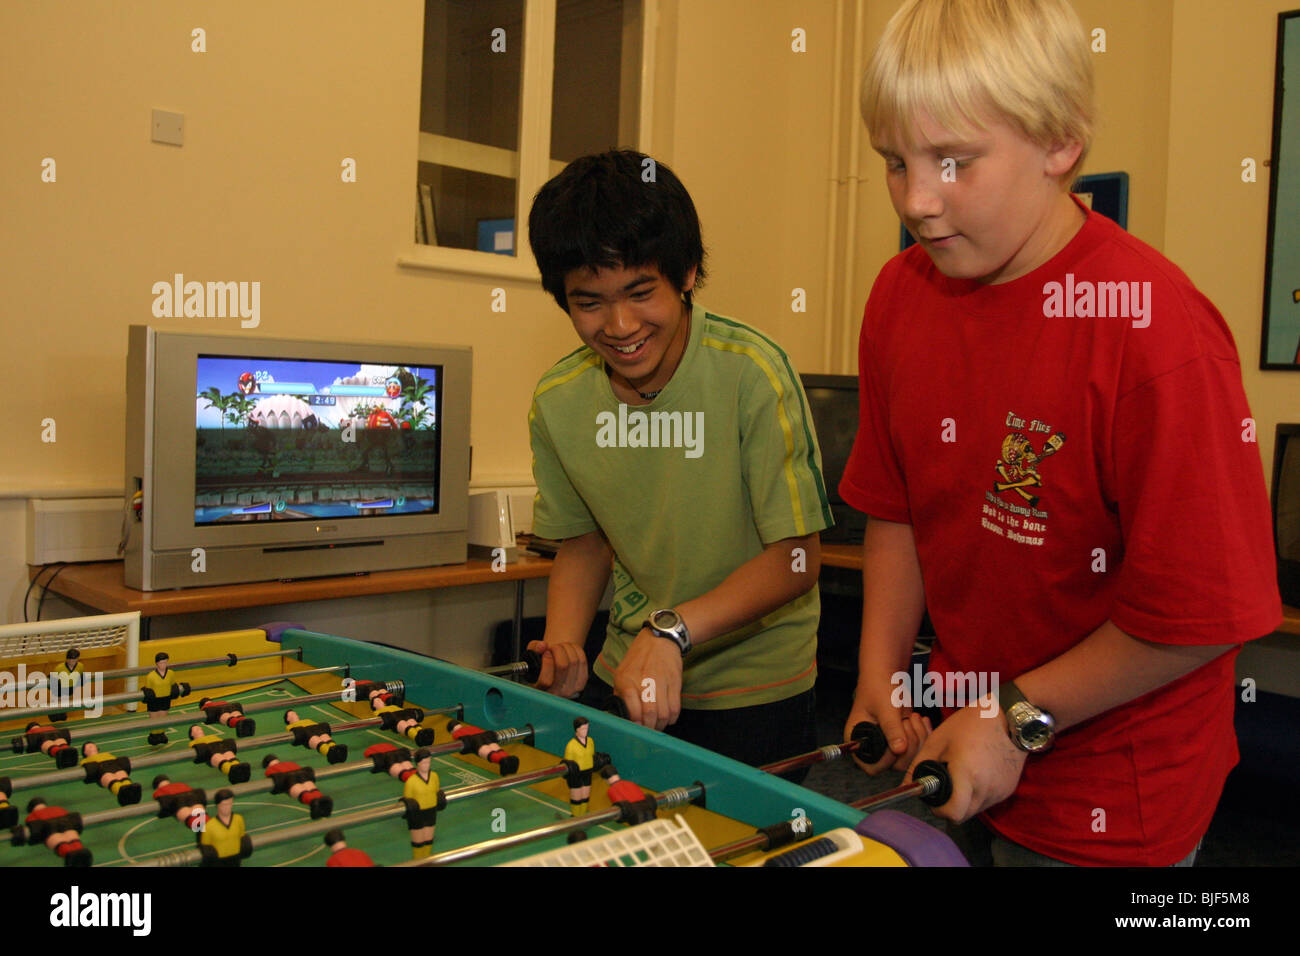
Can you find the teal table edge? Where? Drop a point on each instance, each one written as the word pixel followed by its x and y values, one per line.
pixel 652 759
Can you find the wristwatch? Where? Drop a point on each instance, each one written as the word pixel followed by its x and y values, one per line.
pixel 1032 729
pixel 668 624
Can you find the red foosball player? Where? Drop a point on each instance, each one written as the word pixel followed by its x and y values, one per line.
pixel 299 783
pixel 181 801
pixel 580 755
pixel 58 830
pixel 484 743
pixel 620 790
pixel 316 735
pixel 222 839
pixel 8 812
pixel 342 855
pixel 67 676
pixel 49 740
pixel 228 714
pixel 390 759
pixel 110 772
pixel 404 720
pixel 423 799
pixel 216 751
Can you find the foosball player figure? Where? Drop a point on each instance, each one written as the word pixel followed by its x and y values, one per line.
pixel 222 839
pixel 299 783
pixel 218 752
pixel 58 830
pixel 110 772
pixel 8 812
pixel 67 676
pixel 382 694
pixel 580 755
pixel 316 735
pixel 161 688
pixel 181 801
pixel 342 855
pixel 390 759
pixel 618 789
pixel 51 741
pixel 404 720
pixel 423 800
pixel 484 743
pixel 228 714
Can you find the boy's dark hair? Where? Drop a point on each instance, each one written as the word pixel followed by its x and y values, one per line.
pixel 600 212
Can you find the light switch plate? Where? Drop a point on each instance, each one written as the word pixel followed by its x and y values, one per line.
pixel 168 127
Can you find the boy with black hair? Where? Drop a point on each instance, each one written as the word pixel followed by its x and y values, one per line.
pixel 676 446
pixel 1052 454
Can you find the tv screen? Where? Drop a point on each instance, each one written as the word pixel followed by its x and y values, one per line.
pixel 280 439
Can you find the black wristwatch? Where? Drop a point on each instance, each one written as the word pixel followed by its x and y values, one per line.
pixel 668 624
pixel 1032 729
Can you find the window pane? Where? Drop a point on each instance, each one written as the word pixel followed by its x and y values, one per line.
pixel 469 122
pixel 595 98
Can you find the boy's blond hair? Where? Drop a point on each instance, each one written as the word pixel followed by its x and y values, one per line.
pixel 965 62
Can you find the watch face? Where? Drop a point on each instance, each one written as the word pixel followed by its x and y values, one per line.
pixel 667 620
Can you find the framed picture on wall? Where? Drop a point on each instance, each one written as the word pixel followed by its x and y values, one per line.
pixel 1280 343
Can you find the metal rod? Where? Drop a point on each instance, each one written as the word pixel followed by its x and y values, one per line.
pixel 137 723
pixel 917 788
pixel 185 665
pixel 177 756
pixel 136 696
pixel 820 755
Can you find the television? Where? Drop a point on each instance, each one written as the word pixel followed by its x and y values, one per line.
pixel 833 401
pixel 255 459
pixel 1286 511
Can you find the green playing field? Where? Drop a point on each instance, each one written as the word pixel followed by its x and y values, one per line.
pixel 141 838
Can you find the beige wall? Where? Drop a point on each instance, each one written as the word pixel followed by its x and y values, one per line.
pixel 1221 113
pixel 287 90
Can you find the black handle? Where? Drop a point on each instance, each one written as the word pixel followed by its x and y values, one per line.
pixel 938 769
pixel 534 662
pixel 872 744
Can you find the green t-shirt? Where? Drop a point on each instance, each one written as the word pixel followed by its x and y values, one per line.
pixel 686 489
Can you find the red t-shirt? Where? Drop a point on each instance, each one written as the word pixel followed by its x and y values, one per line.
pixel 1025 449
pixel 349 857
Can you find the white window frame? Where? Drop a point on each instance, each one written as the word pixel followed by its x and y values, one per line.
pixel 531 167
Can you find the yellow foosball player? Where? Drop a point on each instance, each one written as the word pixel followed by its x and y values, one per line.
pixel 316 735
pixel 582 759
pixel 218 752
pixel 66 677
pixel 110 772
pixel 222 839
pixel 8 812
pixel 158 689
pixel 404 720
pixel 423 799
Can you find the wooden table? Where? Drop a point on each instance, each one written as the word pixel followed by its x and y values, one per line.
pixel 100 586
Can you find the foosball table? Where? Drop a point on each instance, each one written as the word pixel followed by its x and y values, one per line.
pixel 279 746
